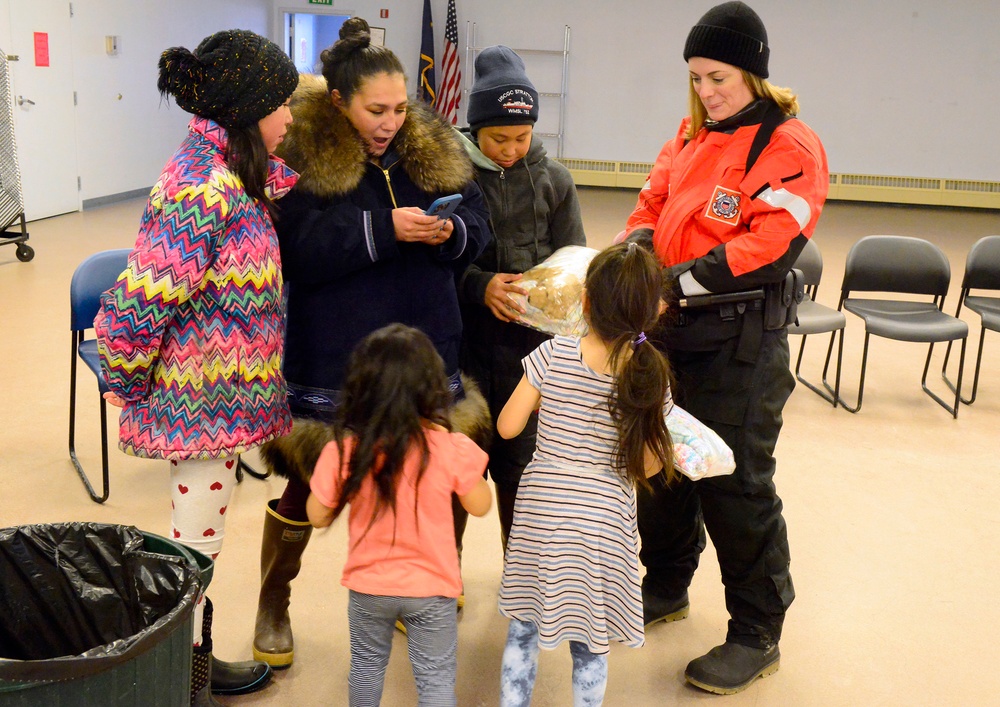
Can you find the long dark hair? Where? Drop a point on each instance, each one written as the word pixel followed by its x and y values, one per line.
pixel 353 58
pixel 395 381
pixel 624 287
pixel 246 155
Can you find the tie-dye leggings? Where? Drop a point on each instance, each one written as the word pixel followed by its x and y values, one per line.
pixel 520 664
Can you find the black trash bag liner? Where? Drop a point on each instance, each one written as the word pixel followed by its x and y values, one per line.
pixel 79 598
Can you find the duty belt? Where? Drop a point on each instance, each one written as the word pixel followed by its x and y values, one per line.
pixel 727 306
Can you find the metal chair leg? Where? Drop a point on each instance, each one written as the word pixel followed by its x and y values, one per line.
pixel 72 435
pixel 835 391
pixel 975 377
pixel 955 389
pixel 821 393
pixel 105 489
pixel 242 466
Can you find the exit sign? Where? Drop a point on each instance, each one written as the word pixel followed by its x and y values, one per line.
pixel 320 2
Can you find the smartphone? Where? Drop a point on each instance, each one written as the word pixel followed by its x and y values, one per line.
pixel 444 207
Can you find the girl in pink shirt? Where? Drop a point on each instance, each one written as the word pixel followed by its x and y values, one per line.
pixel 395 462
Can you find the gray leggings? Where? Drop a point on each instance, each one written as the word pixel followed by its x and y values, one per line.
pixel 520 664
pixel 431 640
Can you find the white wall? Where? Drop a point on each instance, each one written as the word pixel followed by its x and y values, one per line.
pixel 125 132
pixel 897 87
pixel 124 143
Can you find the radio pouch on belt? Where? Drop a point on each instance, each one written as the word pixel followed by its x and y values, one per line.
pixel 781 300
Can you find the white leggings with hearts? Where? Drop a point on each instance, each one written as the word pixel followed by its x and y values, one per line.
pixel 200 492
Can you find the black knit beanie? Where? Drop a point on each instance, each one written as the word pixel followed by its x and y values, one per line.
pixel 733 34
pixel 502 94
pixel 234 77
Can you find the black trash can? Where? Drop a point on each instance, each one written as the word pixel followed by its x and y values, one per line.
pixel 96 614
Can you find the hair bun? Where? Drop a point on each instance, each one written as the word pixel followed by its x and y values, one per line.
pixel 356 33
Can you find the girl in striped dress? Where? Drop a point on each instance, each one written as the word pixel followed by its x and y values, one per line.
pixel 571 572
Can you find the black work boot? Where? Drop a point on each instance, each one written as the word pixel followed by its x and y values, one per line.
pixel 656 608
pixel 731 667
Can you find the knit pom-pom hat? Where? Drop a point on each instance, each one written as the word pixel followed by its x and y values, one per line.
pixel 234 77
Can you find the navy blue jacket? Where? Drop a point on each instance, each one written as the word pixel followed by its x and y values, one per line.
pixel 345 273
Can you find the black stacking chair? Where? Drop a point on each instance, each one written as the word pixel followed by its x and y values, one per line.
pixel 816 318
pixel 982 272
pixel 900 265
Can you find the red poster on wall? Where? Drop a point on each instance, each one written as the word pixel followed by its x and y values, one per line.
pixel 41 48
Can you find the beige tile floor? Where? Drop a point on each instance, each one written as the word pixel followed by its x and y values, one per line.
pixel 892 513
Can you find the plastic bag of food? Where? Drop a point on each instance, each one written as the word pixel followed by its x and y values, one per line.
pixel 699 452
pixel 554 287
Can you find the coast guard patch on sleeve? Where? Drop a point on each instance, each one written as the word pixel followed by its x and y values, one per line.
pixel 724 206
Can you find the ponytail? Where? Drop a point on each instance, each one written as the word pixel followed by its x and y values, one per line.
pixel 637 408
pixel 624 287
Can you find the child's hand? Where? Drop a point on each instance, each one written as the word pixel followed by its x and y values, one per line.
pixel 113 399
pixel 498 297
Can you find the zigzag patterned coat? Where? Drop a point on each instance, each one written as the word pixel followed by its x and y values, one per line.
pixel 191 335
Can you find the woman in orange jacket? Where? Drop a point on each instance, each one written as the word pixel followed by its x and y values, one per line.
pixel 728 207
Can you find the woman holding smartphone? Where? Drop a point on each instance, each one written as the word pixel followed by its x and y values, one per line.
pixel 359 252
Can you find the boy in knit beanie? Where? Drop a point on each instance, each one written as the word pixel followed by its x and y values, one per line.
pixel 534 211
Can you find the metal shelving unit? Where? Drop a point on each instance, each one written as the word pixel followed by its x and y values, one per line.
pixel 11 201
pixel 472 48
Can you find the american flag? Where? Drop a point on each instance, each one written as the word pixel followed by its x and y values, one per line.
pixel 449 92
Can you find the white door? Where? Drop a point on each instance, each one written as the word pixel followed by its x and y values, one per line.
pixel 44 123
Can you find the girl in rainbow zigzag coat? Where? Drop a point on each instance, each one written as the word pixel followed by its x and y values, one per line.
pixel 191 335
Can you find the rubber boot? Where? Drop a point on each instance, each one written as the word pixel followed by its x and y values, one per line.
pixel 211 675
pixel 656 608
pixel 228 678
pixel 281 550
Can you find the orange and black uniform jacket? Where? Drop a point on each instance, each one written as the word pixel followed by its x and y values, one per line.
pixel 731 229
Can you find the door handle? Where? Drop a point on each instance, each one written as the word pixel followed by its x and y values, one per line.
pixel 21 100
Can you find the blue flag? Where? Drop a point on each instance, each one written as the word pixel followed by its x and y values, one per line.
pixel 426 82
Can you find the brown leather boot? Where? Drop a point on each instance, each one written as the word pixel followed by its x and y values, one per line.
pixel 281 550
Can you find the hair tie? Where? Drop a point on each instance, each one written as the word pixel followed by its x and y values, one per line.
pixel 639 339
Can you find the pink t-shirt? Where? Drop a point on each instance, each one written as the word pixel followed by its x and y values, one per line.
pixel 405 554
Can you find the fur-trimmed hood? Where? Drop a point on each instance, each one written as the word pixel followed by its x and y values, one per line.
pixel 329 154
pixel 295 454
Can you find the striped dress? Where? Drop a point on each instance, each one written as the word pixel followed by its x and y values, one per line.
pixel 572 565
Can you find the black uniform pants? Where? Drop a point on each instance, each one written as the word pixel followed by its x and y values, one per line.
pixel 742 402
